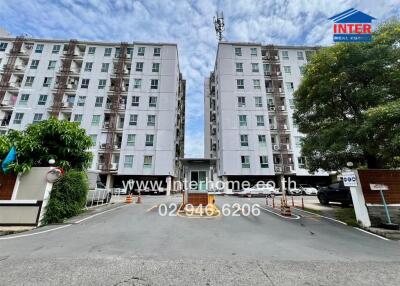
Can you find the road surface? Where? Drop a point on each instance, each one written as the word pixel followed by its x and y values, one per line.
pixel 135 245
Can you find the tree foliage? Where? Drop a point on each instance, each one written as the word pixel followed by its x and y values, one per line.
pixel 67 198
pixel 63 141
pixel 348 103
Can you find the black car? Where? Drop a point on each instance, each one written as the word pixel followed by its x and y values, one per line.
pixel 335 192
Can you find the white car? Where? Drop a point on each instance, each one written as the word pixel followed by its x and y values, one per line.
pixel 308 189
pixel 293 191
pixel 257 190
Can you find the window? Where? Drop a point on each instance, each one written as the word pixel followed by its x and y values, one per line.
pixel 263 161
pixel 152 101
pixel 39 48
pixel 56 49
pixel 241 101
pixel 135 101
pixel 254 67
pixel 52 65
pixel 3 46
pixel 137 83
pixel 302 162
pixel 128 161
pixel 24 99
pixel 285 55
pixel 34 64
pixel 91 50
pixel 267 69
pixel 29 80
pixel 47 81
pixel 85 83
pixel 147 161
pixel 149 140
pixel 245 161
pixel 260 120
pixel 18 118
pixel 81 101
pixel 239 67
pixel 156 67
pixel 262 140
pixel 287 69
pixel 107 52
pixel 102 83
pixel 157 52
pixel 300 55
pixel 133 119
pixel 238 51
pixel 289 86
pixel 139 66
pixel 78 118
pixel 99 101
pixel 151 120
pixel 154 84
pixel 253 51
pixel 95 120
pixel 291 103
pixel 94 139
pixel 104 67
pixel 141 51
pixel 256 84
pixel 42 99
pixel 88 67
pixel 244 140
pixel 302 70
pixel 258 101
pixel 130 141
pixel 240 83
pixel 242 120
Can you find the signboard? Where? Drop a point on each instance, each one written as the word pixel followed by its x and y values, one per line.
pixel 349 179
pixel 378 187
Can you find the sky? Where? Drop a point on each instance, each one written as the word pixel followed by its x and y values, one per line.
pixel 190 25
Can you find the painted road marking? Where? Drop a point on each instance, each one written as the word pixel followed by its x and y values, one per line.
pixel 370 233
pixel 286 217
pixel 152 208
pixel 332 219
pixel 60 227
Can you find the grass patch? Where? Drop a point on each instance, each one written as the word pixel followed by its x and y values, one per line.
pixel 346 215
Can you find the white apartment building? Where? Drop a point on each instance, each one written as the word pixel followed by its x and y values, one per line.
pixel 248 112
pixel 129 97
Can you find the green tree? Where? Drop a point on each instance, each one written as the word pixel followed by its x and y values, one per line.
pixel 348 103
pixel 60 140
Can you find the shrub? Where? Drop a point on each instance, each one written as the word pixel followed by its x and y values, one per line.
pixel 67 198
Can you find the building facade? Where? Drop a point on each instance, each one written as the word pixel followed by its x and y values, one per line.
pixel 129 97
pixel 248 111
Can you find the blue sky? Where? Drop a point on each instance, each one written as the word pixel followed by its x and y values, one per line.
pixel 189 24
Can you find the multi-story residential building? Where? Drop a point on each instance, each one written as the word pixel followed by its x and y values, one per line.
pixel 130 98
pixel 248 111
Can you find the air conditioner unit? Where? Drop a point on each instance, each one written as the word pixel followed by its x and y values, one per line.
pixel 285 127
pixel 276 57
pixel 275 147
pixel 114 166
pixel 282 108
pixel 269 89
pixel 69 86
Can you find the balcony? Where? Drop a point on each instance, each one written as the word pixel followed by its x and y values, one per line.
pixel 5 122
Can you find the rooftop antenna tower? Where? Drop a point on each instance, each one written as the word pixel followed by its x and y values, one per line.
pixel 219 25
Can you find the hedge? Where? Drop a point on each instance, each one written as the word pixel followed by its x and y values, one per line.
pixel 67 198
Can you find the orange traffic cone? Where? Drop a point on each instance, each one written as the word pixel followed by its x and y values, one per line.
pixel 128 199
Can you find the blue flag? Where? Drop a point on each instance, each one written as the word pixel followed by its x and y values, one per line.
pixel 11 157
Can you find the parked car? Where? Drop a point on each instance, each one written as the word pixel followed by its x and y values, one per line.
pixel 98 194
pixel 335 192
pixel 293 191
pixel 308 189
pixel 257 190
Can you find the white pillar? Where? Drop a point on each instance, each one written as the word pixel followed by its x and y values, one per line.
pixel 109 181
pixel 360 207
pixel 169 185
